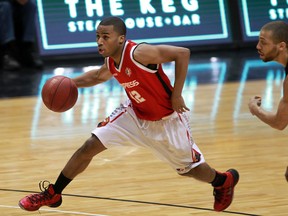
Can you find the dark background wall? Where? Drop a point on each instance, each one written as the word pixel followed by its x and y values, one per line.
pixel 66 29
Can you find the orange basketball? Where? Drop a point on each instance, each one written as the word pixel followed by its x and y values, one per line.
pixel 59 93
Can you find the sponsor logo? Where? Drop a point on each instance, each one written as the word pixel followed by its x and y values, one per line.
pixel 130 84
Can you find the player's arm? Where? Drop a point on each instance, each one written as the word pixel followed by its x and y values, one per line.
pixel 151 54
pixel 278 120
pixel 93 77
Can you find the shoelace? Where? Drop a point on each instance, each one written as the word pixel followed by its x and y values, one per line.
pixel 44 195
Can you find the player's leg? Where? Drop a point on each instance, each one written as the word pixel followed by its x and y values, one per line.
pixel 186 158
pixel 202 172
pixel 109 134
pixel 82 157
pixel 24 22
pixel 223 183
pixel 8 48
pixel 51 194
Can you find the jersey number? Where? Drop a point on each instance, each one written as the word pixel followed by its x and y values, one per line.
pixel 136 96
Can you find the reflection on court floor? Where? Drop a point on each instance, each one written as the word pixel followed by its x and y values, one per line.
pixel 110 94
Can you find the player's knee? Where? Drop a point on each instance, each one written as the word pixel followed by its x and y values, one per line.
pixel 92 147
pixel 187 174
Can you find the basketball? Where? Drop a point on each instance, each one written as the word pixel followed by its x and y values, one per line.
pixel 59 93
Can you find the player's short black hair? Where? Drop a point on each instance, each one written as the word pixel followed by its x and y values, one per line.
pixel 116 22
pixel 279 31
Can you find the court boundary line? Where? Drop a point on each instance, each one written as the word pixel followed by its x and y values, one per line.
pixel 55 210
pixel 136 201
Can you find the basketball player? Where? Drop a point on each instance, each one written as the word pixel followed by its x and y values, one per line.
pixel 154 117
pixel 272 46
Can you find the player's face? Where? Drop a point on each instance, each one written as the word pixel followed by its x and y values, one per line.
pixel 109 42
pixel 267 49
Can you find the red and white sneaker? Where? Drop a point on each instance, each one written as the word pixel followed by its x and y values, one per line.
pixel 223 195
pixel 47 197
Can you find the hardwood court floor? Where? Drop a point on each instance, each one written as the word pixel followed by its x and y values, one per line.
pixel 36 143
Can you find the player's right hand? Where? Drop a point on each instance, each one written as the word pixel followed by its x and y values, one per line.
pixel 254 104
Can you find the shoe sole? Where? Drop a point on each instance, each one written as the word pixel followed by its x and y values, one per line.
pixel 22 207
pixel 55 205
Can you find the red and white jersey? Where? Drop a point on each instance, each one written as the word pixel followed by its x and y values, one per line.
pixel 148 89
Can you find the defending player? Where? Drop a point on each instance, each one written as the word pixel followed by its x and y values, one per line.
pixel 272 46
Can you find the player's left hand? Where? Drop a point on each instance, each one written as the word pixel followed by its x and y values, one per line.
pixel 178 104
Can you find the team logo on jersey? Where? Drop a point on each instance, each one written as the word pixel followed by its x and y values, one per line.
pixel 128 71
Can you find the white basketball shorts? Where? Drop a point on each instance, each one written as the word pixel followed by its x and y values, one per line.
pixel 170 139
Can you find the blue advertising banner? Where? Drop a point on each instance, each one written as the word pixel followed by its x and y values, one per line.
pixel 69 26
pixel 255 13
